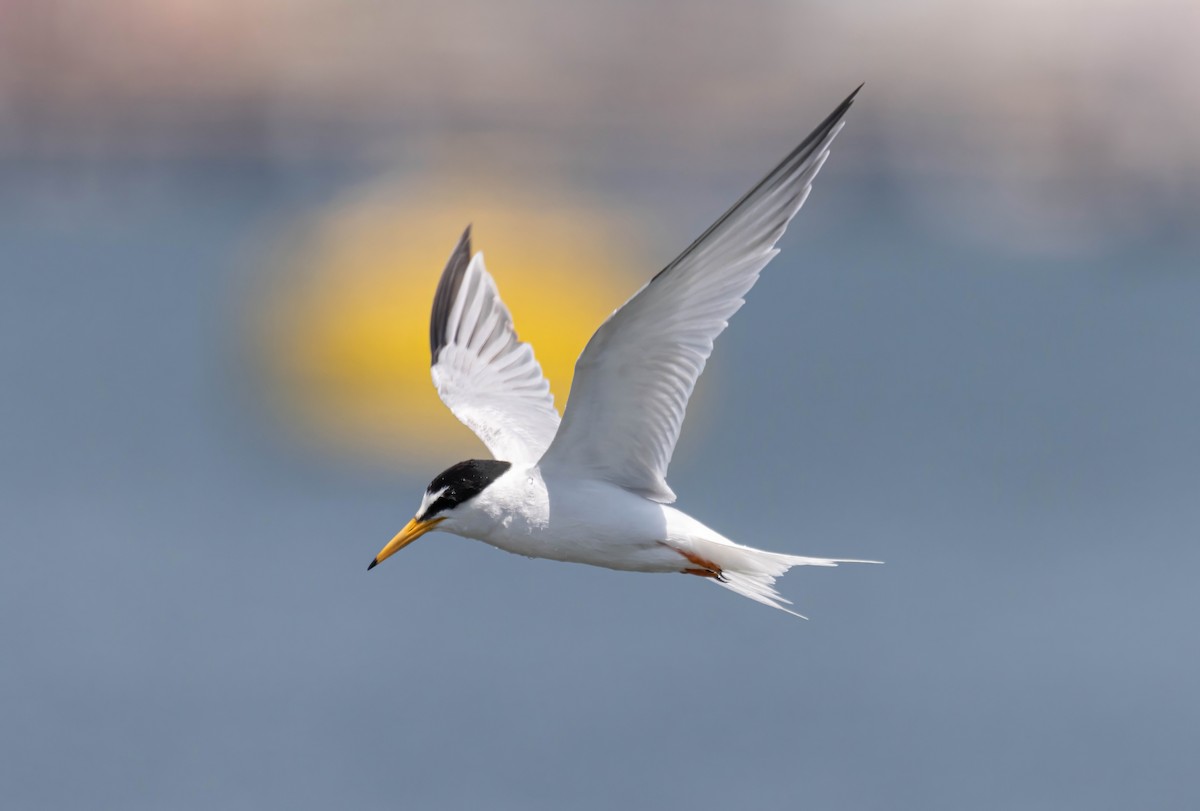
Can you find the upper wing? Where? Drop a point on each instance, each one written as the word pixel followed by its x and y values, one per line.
pixel 634 378
pixel 488 378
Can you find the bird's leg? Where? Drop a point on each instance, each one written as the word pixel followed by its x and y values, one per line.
pixel 705 568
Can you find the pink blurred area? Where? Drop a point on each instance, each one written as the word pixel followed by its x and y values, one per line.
pixel 1036 127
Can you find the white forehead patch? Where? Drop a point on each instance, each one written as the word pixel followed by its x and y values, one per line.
pixel 429 498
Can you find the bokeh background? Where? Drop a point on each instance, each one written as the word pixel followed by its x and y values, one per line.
pixel 976 359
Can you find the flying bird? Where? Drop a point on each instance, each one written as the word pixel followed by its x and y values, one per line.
pixel 591 488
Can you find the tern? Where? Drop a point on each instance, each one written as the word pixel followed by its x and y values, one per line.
pixel 591 488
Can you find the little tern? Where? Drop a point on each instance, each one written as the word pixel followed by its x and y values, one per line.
pixel 592 487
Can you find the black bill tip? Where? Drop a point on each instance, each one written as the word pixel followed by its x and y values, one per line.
pixel 374 563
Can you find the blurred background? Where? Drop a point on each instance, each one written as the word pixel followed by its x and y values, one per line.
pixel 221 225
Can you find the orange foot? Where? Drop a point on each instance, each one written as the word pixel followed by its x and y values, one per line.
pixel 704 567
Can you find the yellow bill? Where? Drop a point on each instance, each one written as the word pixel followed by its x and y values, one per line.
pixel 412 530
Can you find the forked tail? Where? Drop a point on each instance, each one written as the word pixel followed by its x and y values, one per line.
pixel 752 572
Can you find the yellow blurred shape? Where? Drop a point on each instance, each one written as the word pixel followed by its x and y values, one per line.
pixel 345 326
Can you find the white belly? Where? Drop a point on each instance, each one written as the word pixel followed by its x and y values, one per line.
pixel 576 520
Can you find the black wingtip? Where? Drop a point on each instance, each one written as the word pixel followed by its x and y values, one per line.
pixel 374 563
pixel 845 105
pixel 447 290
pixel 785 169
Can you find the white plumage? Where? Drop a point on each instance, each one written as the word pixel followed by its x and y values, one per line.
pixel 592 489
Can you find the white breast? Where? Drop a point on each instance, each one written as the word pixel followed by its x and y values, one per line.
pixel 570 519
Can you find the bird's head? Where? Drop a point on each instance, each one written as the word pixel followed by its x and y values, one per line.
pixel 443 500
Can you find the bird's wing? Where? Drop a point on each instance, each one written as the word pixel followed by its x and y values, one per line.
pixel 634 378
pixel 482 372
